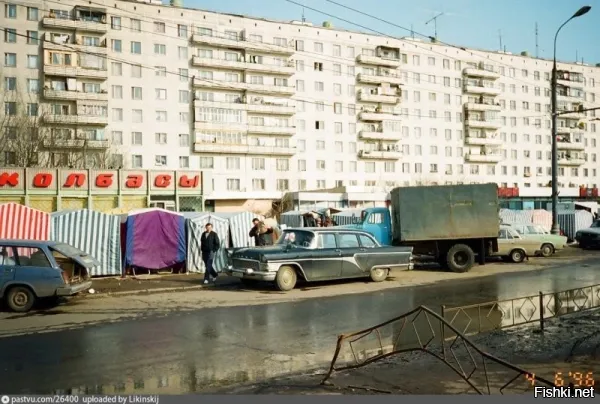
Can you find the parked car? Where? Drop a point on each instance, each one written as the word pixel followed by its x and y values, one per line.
pixel 550 242
pixel 319 254
pixel 32 270
pixel 590 237
pixel 513 247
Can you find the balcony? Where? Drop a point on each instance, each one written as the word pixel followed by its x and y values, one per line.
pixel 75 71
pixel 571 113
pixel 74 47
pixel 483 141
pixel 76 120
pixel 239 86
pixel 492 158
pixel 569 130
pixel 379 79
pixel 221 148
pixel 478 89
pixel 482 73
pixel 570 79
pixel 482 124
pixel 569 97
pixel 76 25
pixel 378 61
pixel 218 126
pixel 379 135
pixel 570 161
pixel 378 98
pixel 74 95
pixel 75 144
pixel 380 154
pixel 252 107
pixel 475 106
pixel 233 43
pixel 271 130
pixel 242 65
pixel 378 116
pixel 570 146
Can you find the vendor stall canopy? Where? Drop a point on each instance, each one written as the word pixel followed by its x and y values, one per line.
pixel 23 223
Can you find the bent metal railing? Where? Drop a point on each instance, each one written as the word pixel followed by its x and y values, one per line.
pixel 495 315
pixel 444 350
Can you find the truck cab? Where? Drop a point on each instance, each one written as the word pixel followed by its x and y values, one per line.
pixel 376 221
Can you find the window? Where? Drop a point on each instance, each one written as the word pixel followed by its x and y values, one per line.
pixel 10 83
pixel 161 116
pixel 366 241
pixel 160 49
pixel 348 241
pixel 137 116
pixel 32 14
pixel 136 71
pixel 135 25
pixel 136 47
pixel 161 93
pixel 182 31
pixel 117 92
pixel 136 138
pixel 318 47
pixel 184 96
pixel 160 138
pixel 116 138
pixel 117 114
pixel 327 240
pixel 10 35
pixel 116 45
pixel 136 93
pixel 32 62
pixel 115 23
pixel 116 68
pixel 160 160
pixel 159 27
pixel 182 51
pixel 10 108
pixel 136 161
pixel 10 11
pixel 10 59
pixel 184 162
pixel 33 85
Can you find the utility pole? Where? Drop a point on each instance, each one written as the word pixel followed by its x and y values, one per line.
pixel 434 19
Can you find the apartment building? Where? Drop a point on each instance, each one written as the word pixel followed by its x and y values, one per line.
pixel 270 107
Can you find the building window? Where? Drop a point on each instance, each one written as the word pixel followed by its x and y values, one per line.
pixel 135 25
pixel 10 59
pixel 10 11
pixel 160 49
pixel 33 14
pixel 184 140
pixel 160 160
pixel 136 47
pixel 115 23
pixel 136 161
pixel 233 184
pixel 160 138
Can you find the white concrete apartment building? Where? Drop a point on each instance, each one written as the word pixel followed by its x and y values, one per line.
pixel 270 107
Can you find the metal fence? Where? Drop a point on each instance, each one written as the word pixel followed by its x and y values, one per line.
pixel 477 318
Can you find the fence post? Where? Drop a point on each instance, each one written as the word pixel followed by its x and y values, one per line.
pixel 442 330
pixel 541 311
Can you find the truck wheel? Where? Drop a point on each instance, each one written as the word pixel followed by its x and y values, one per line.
pixel 517 256
pixel 460 258
pixel 20 299
pixel 379 274
pixel 547 250
pixel 286 278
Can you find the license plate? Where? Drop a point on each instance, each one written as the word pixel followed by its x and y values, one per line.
pixel 238 274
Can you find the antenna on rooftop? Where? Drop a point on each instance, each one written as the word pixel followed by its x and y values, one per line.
pixel 500 38
pixel 434 19
pixel 412 32
pixel 303 17
pixel 537 44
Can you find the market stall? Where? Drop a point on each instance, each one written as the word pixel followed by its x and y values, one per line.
pixel 196 223
pixel 23 223
pixel 96 233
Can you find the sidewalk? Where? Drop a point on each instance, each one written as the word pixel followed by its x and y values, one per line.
pixel 153 284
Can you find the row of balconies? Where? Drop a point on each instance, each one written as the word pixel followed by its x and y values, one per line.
pixel 243 65
pixel 76 120
pixel 65 95
pixel 48 44
pixel 242 43
pixel 75 144
pixel 75 71
pixel 270 89
pixel 81 25
pixel 252 106
pixel 252 129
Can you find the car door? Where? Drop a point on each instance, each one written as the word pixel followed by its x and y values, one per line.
pixel 504 243
pixel 35 269
pixel 8 265
pixel 349 246
pixel 327 261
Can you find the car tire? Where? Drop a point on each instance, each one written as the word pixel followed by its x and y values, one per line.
pixel 20 299
pixel 379 274
pixel 286 278
pixel 517 256
pixel 547 250
pixel 460 258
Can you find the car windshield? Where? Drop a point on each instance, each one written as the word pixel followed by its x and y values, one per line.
pixel 297 238
pixel 596 224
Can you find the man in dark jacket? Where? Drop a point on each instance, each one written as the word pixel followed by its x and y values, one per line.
pixel 259 238
pixel 209 245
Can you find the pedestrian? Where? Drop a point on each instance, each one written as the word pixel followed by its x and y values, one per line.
pixel 258 231
pixel 209 245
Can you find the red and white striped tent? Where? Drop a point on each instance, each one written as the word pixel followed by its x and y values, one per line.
pixel 23 223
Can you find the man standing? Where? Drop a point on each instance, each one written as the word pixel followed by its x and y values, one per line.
pixel 209 245
pixel 259 237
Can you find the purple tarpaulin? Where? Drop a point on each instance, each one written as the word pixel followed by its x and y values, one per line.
pixel 154 239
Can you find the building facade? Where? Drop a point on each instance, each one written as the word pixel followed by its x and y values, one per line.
pixel 270 107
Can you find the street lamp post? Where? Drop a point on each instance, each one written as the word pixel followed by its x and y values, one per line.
pixel 555 227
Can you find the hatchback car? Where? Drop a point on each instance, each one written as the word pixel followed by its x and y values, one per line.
pixel 32 270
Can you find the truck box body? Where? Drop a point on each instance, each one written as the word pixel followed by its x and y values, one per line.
pixel 446 212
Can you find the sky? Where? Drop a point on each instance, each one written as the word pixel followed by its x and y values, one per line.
pixel 470 23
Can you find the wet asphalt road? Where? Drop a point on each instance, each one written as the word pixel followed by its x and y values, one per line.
pixel 208 348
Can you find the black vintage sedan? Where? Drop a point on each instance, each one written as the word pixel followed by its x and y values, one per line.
pixel 319 254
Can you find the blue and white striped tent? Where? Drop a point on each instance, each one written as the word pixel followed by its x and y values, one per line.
pixel 96 233
pixel 240 224
pixel 195 223
pixel 573 220
pixel 292 218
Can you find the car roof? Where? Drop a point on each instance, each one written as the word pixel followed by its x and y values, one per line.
pixel 28 243
pixel 329 230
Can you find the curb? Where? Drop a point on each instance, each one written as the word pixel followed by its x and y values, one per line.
pixel 142 292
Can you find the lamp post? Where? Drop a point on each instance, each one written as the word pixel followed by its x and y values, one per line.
pixel 555 227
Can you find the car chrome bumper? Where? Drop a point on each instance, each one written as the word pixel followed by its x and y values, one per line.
pixel 247 273
pixel 71 290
